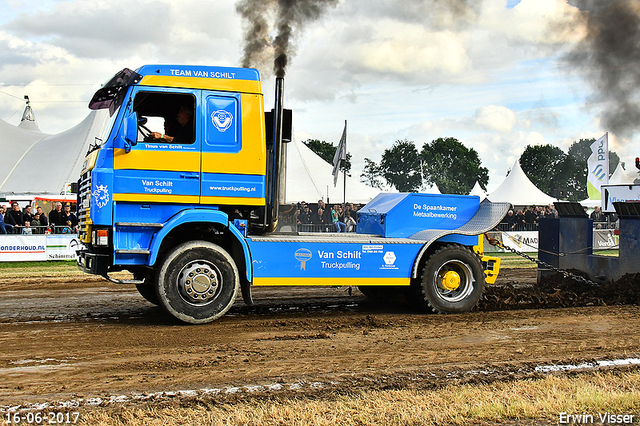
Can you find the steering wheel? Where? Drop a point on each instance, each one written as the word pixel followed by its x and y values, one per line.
pixel 144 131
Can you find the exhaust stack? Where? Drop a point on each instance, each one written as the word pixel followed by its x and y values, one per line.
pixel 275 160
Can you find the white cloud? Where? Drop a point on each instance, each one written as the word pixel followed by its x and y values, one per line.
pixel 496 117
pixel 401 48
pixel 534 21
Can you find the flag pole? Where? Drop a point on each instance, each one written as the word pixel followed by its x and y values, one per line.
pixel 344 191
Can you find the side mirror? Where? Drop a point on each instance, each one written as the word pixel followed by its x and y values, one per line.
pixel 128 135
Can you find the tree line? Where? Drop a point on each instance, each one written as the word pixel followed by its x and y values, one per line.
pixel 454 168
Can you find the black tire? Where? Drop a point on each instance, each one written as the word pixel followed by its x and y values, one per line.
pixel 452 281
pixel 198 282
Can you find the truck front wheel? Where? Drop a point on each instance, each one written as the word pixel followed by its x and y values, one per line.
pixel 198 282
pixel 452 280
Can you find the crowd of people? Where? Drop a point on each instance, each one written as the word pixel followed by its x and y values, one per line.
pixel 321 217
pixel 527 219
pixel 25 221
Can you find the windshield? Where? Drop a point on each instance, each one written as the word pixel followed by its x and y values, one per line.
pixel 104 131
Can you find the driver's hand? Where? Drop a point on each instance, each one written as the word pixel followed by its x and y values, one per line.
pixel 155 135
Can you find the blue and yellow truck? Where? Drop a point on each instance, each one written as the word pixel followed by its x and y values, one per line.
pixel 194 217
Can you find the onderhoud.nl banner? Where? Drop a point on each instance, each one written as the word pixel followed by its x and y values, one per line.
pixel 20 248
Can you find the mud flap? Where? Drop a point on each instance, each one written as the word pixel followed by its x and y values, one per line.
pixel 245 288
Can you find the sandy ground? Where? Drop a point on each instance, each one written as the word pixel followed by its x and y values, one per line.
pixel 79 338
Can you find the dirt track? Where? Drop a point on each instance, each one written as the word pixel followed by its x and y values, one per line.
pixel 64 339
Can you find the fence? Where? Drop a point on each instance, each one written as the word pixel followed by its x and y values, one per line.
pixel 37 230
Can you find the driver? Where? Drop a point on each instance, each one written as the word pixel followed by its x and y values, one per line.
pixel 183 129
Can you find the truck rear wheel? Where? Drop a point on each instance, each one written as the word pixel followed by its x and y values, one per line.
pixel 452 281
pixel 198 282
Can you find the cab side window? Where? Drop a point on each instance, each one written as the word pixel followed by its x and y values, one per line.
pixel 165 117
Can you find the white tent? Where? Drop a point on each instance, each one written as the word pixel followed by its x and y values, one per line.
pixel 518 190
pixel 37 163
pixel 619 176
pixel 430 189
pixel 309 179
pixel 28 120
pixel 477 190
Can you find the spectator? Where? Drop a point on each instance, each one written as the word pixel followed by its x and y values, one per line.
pixel 43 219
pixel 17 218
pixel 326 212
pixel 27 228
pixel 3 227
pixel 36 224
pixel 27 215
pixel 509 222
pixel 350 222
pixel 305 215
pixel 520 221
pixel 530 217
pixel 57 218
pixel 340 226
pixel 318 217
pixel 71 219
pixel 596 215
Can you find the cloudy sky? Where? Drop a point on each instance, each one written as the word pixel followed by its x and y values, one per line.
pixel 493 73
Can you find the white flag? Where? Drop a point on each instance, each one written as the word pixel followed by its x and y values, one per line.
pixel 341 154
pixel 598 167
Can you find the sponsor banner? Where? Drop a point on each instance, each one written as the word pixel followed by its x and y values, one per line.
pixel 62 247
pixel 22 248
pixel 527 241
pixel 605 239
pixel 598 167
pixel 524 241
pixel 618 193
pixel 18 247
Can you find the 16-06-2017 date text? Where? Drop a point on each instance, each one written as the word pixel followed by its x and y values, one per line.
pixel 42 418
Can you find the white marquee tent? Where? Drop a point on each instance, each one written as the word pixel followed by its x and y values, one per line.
pixel 619 176
pixel 477 190
pixel 39 164
pixel 309 179
pixel 518 190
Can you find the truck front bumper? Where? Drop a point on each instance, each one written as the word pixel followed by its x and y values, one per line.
pixel 93 263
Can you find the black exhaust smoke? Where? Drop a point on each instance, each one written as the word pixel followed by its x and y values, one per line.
pixel 288 18
pixel 610 57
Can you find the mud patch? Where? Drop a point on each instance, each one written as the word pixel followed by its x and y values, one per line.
pixel 557 291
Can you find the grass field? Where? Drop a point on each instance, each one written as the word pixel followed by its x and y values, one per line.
pixel 529 402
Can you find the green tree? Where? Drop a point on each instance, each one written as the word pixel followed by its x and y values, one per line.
pixel 326 151
pixel 543 166
pixel 371 174
pixel 452 166
pixel 400 166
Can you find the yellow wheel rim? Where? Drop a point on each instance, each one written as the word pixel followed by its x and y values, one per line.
pixel 450 280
